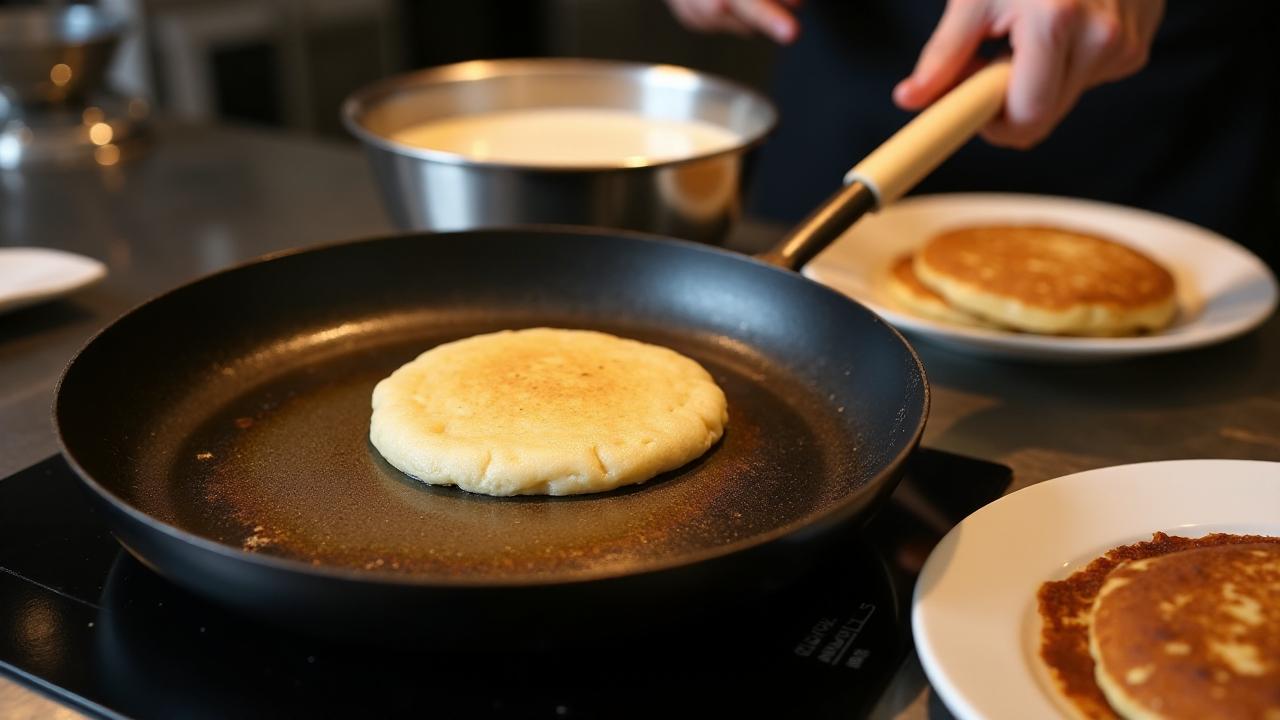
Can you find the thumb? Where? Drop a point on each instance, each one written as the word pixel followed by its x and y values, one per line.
pixel 946 56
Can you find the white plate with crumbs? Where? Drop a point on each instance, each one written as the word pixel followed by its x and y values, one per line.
pixel 1223 289
pixel 29 275
pixel 975 616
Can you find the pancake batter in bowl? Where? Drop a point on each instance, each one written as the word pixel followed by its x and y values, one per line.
pixel 568 137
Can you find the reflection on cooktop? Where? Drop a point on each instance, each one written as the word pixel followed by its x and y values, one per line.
pixel 90 624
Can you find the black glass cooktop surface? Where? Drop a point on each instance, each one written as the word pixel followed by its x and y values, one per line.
pixel 84 622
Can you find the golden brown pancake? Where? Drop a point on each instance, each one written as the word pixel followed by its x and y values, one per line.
pixel 1048 280
pixel 910 293
pixel 1192 634
pixel 1066 607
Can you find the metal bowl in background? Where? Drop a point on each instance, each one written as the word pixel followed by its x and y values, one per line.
pixel 54 54
pixel 695 197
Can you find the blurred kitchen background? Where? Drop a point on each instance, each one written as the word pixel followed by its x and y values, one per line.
pixel 285 66
pixel 289 63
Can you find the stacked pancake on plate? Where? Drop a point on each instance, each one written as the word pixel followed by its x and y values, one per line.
pixel 1035 279
pixel 1172 628
pixel 905 285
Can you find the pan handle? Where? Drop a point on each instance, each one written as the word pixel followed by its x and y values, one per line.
pixel 897 165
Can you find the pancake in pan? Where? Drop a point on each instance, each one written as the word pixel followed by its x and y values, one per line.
pixel 1048 280
pixel 545 412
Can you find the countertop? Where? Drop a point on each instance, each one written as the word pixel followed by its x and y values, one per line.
pixel 202 198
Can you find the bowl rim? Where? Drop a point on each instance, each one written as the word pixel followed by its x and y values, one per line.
pixel 362 100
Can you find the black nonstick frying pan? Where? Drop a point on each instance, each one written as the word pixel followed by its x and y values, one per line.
pixel 223 427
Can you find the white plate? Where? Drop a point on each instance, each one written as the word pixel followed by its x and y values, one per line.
pixel 974 613
pixel 1223 289
pixel 29 275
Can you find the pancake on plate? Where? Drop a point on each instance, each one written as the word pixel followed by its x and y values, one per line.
pixel 1067 609
pixel 905 288
pixel 1048 280
pixel 1193 634
pixel 545 412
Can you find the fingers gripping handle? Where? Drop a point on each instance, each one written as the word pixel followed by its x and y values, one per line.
pixel 897 165
pixel 932 136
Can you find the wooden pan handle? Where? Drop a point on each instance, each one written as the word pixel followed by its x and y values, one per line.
pixel 896 166
pixel 932 136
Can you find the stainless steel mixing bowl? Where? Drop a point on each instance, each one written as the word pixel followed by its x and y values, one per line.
pixel 52 54
pixel 695 197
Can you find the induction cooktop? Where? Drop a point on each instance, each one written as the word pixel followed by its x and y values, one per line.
pixel 84 622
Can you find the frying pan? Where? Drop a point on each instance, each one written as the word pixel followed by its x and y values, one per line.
pixel 222 427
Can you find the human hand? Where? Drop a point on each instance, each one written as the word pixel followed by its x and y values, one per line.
pixel 1060 49
pixel 772 18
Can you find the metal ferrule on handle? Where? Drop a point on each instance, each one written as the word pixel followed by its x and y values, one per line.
pixel 896 166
